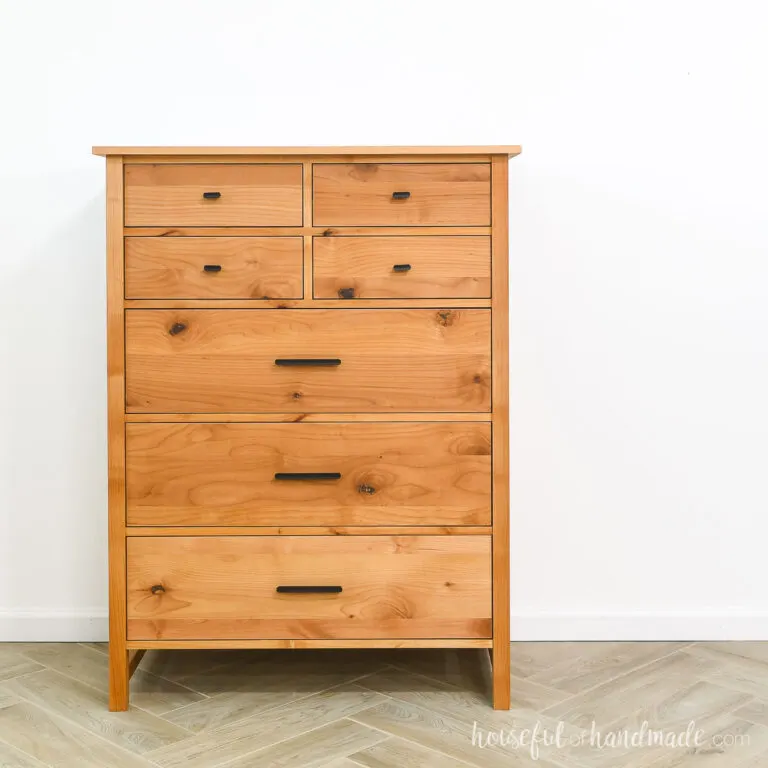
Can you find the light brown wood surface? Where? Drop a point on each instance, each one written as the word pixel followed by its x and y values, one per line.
pixel 495 149
pixel 250 268
pixel 251 195
pixel 305 644
pixel 360 194
pixel 397 587
pixel 310 530
pixel 119 673
pixel 415 418
pixel 500 652
pixel 439 267
pixel 391 474
pixel 224 360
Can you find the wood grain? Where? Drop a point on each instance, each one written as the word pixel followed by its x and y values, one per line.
pixel 439 267
pixel 224 360
pixel 500 652
pixel 307 530
pixel 251 195
pixel 393 587
pixel 272 418
pixel 353 194
pixel 495 149
pixel 308 303
pixel 250 268
pixel 391 474
pixel 118 654
pixel 303 644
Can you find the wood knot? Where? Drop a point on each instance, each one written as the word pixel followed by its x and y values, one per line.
pixel 297 395
pixel 367 489
pixel 177 328
pixel 477 379
pixel 327 232
pixel 446 318
pixel 448 583
pixel 157 589
pixel 346 293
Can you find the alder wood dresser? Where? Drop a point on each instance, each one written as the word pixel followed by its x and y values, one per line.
pixel 307 400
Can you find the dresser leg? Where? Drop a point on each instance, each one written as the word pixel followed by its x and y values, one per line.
pixel 119 675
pixel 501 676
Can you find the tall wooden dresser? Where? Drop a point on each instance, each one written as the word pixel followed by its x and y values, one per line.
pixel 308 400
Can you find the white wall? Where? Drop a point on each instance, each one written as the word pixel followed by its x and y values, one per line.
pixel 639 273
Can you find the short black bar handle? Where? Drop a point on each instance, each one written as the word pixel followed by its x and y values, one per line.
pixel 317 362
pixel 212 268
pixel 308 590
pixel 400 195
pixel 401 268
pixel 307 475
pixel 211 195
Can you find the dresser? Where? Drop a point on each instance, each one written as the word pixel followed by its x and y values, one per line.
pixel 307 400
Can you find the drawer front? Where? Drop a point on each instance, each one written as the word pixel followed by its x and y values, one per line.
pixel 351 360
pixel 214 267
pixel 383 587
pixel 213 195
pixel 397 194
pixel 309 474
pixel 400 267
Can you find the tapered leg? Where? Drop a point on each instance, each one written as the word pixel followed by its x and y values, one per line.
pixel 501 676
pixel 119 676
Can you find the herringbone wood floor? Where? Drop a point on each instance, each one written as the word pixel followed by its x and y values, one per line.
pixel 381 709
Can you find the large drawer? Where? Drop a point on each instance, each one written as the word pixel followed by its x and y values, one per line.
pixel 298 361
pixel 397 194
pixel 309 474
pixel 394 267
pixel 213 194
pixel 273 587
pixel 214 267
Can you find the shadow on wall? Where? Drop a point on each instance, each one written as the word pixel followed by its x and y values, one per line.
pixel 55 427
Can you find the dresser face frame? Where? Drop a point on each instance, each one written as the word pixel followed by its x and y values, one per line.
pixel 125 654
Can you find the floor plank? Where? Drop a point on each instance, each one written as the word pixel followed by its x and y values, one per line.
pixel 57 742
pixel 314 749
pixel 149 692
pixel 246 736
pixel 135 730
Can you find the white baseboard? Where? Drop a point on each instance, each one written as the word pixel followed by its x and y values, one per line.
pixel 91 626
pixel 40 626
pixel 640 626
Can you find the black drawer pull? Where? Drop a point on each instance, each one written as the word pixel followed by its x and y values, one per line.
pixel 212 268
pixel 318 362
pixel 400 195
pixel 401 268
pixel 307 475
pixel 157 589
pixel 211 195
pixel 308 590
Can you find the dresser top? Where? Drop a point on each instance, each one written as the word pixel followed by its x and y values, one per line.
pixel 504 149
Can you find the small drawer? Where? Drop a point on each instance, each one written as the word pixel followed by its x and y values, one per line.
pixel 213 195
pixel 274 587
pixel 402 267
pixel 307 361
pixel 401 194
pixel 214 267
pixel 436 473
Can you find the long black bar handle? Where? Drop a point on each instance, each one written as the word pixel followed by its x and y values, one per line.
pixel 401 268
pixel 212 268
pixel 307 475
pixel 211 195
pixel 400 195
pixel 317 362
pixel 308 590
